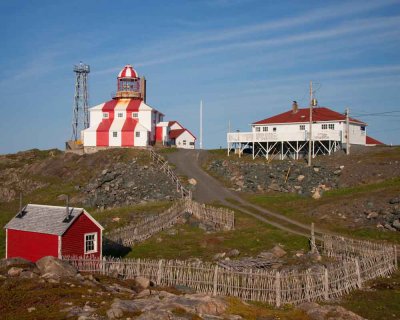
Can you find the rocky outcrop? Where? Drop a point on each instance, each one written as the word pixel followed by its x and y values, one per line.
pixel 318 312
pixel 128 183
pixel 51 267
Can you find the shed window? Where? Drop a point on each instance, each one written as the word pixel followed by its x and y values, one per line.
pixel 105 115
pixel 324 126
pixel 90 243
pixel 184 142
pixel 274 129
pixel 257 129
pixel 331 126
pixel 138 134
pixel 302 127
pixel 265 129
pixel 191 143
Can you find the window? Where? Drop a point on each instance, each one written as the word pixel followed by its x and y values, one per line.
pixel 134 114
pixel 331 126
pixel 191 143
pixel 257 129
pixel 362 128
pixel 90 242
pixel 274 129
pixel 324 126
pixel 120 115
pixel 265 129
pixel 184 142
pixel 105 115
pixel 115 134
pixel 137 134
pixel 302 127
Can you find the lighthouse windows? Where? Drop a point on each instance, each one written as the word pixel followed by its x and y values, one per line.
pixel 120 115
pixel 115 134
pixel 105 115
pixel 138 134
pixel 134 114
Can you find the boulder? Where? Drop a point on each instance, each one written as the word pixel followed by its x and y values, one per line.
pixel 192 181
pixel 300 178
pixel 233 253
pixel 316 195
pixel 396 224
pixel 14 272
pixel 219 256
pixel 58 268
pixel 142 283
pixel 267 255
pixel 19 262
pixel 316 312
pixel 278 252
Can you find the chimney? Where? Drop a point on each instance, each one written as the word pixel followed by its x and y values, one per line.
pixel 295 107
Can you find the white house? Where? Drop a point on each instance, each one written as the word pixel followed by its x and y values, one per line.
pixel 126 120
pixel 286 135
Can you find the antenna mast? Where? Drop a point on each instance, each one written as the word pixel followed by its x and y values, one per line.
pixel 201 124
pixel 80 118
pixel 310 127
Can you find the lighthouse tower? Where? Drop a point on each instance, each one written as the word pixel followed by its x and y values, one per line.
pixel 130 85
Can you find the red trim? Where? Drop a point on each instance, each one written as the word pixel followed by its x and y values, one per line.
pixel 128 129
pixel 159 135
pixel 370 140
pixel 302 115
pixel 102 132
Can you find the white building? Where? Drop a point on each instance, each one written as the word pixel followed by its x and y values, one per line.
pixel 286 135
pixel 127 120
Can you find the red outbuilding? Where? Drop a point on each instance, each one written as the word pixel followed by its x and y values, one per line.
pixel 40 230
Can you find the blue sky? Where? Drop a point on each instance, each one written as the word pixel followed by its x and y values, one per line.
pixel 247 60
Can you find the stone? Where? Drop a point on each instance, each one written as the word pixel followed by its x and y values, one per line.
pixel 316 312
pixel 219 256
pixel 192 181
pixel 267 255
pixel 316 195
pixel 316 169
pixel 389 227
pixel 31 309
pixel 372 215
pixel 394 200
pixel 57 267
pixel 396 224
pixel 20 262
pixel 278 252
pixel 114 313
pixel 142 282
pixel 143 294
pixel 14 271
pixel 341 167
pixel 233 253
pixel 27 274
pixel 300 178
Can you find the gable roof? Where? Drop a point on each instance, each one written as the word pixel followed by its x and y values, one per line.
pixel 370 140
pixel 173 134
pixel 303 114
pixel 46 219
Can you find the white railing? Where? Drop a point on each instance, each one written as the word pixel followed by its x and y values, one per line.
pixel 300 135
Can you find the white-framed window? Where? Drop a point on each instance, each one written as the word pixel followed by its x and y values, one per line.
pixel 105 115
pixel 120 115
pixel 324 126
pixel 90 242
pixel 274 129
pixel 137 134
pixel 184 142
pixel 191 143
pixel 134 115
pixel 302 127
pixel 265 129
pixel 115 134
pixel 257 129
pixel 331 126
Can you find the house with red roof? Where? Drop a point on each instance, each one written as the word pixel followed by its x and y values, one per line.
pixel 287 135
pixel 128 121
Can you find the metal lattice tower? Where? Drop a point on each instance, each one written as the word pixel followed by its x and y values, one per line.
pixel 80 118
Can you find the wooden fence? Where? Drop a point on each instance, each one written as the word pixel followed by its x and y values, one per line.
pixel 219 218
pixel 165 167
pixel 356 262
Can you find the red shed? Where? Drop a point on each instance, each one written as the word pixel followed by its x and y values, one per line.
pixel 40 230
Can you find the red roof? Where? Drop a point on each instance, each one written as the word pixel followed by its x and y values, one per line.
pixel 302 115
pixel 128 72
pixel 173 134
pixel 373 141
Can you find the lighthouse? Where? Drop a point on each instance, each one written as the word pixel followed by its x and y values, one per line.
pixel 128 121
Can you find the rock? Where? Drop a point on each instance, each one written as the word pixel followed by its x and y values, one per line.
pixel 62 197
pixel 316 195
pixel 341 167
pixel 300 178
pixel 372 215
pixel 396 224
pixel 267 255
pixel 28 274
pixel 143 294
pixel 56 267
pixel 389 227
pixel 114 313
pixel 31 309
pixel 219 256
pixel 337 172
pixel 316 169
pixel 192 181
pixel 278 252
pixel 233 253
pixel 142 282
pixel 316 312
pixel 14 272
pixel 20 262
pixel 394 200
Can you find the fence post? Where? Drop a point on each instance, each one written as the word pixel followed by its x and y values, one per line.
pixel 215 281
pixel 359 282
pixel 278 289
pixel 307 287
pixel 159 272
pixel 313 247
pixel 103 265
pixel 138 267
pixel 326 284
pixel 395 256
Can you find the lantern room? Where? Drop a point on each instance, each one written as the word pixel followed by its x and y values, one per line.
pixel 130 85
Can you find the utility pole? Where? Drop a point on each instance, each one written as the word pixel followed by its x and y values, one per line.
pixel 201 124
pixel 229 126
pixel 310 127
pixel 347 131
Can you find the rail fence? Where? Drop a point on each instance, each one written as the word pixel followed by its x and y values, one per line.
pixel 218 218
pixel 165 167
pixel 355 262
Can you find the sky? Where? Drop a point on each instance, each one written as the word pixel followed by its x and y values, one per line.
pixel 246 59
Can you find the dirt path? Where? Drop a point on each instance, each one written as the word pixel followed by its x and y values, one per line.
pixel 209 189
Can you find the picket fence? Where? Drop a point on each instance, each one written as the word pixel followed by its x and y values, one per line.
pixel 218 218
pixel 354 263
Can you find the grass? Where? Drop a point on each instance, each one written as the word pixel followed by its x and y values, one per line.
pixel 250 237
pixel 296 207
